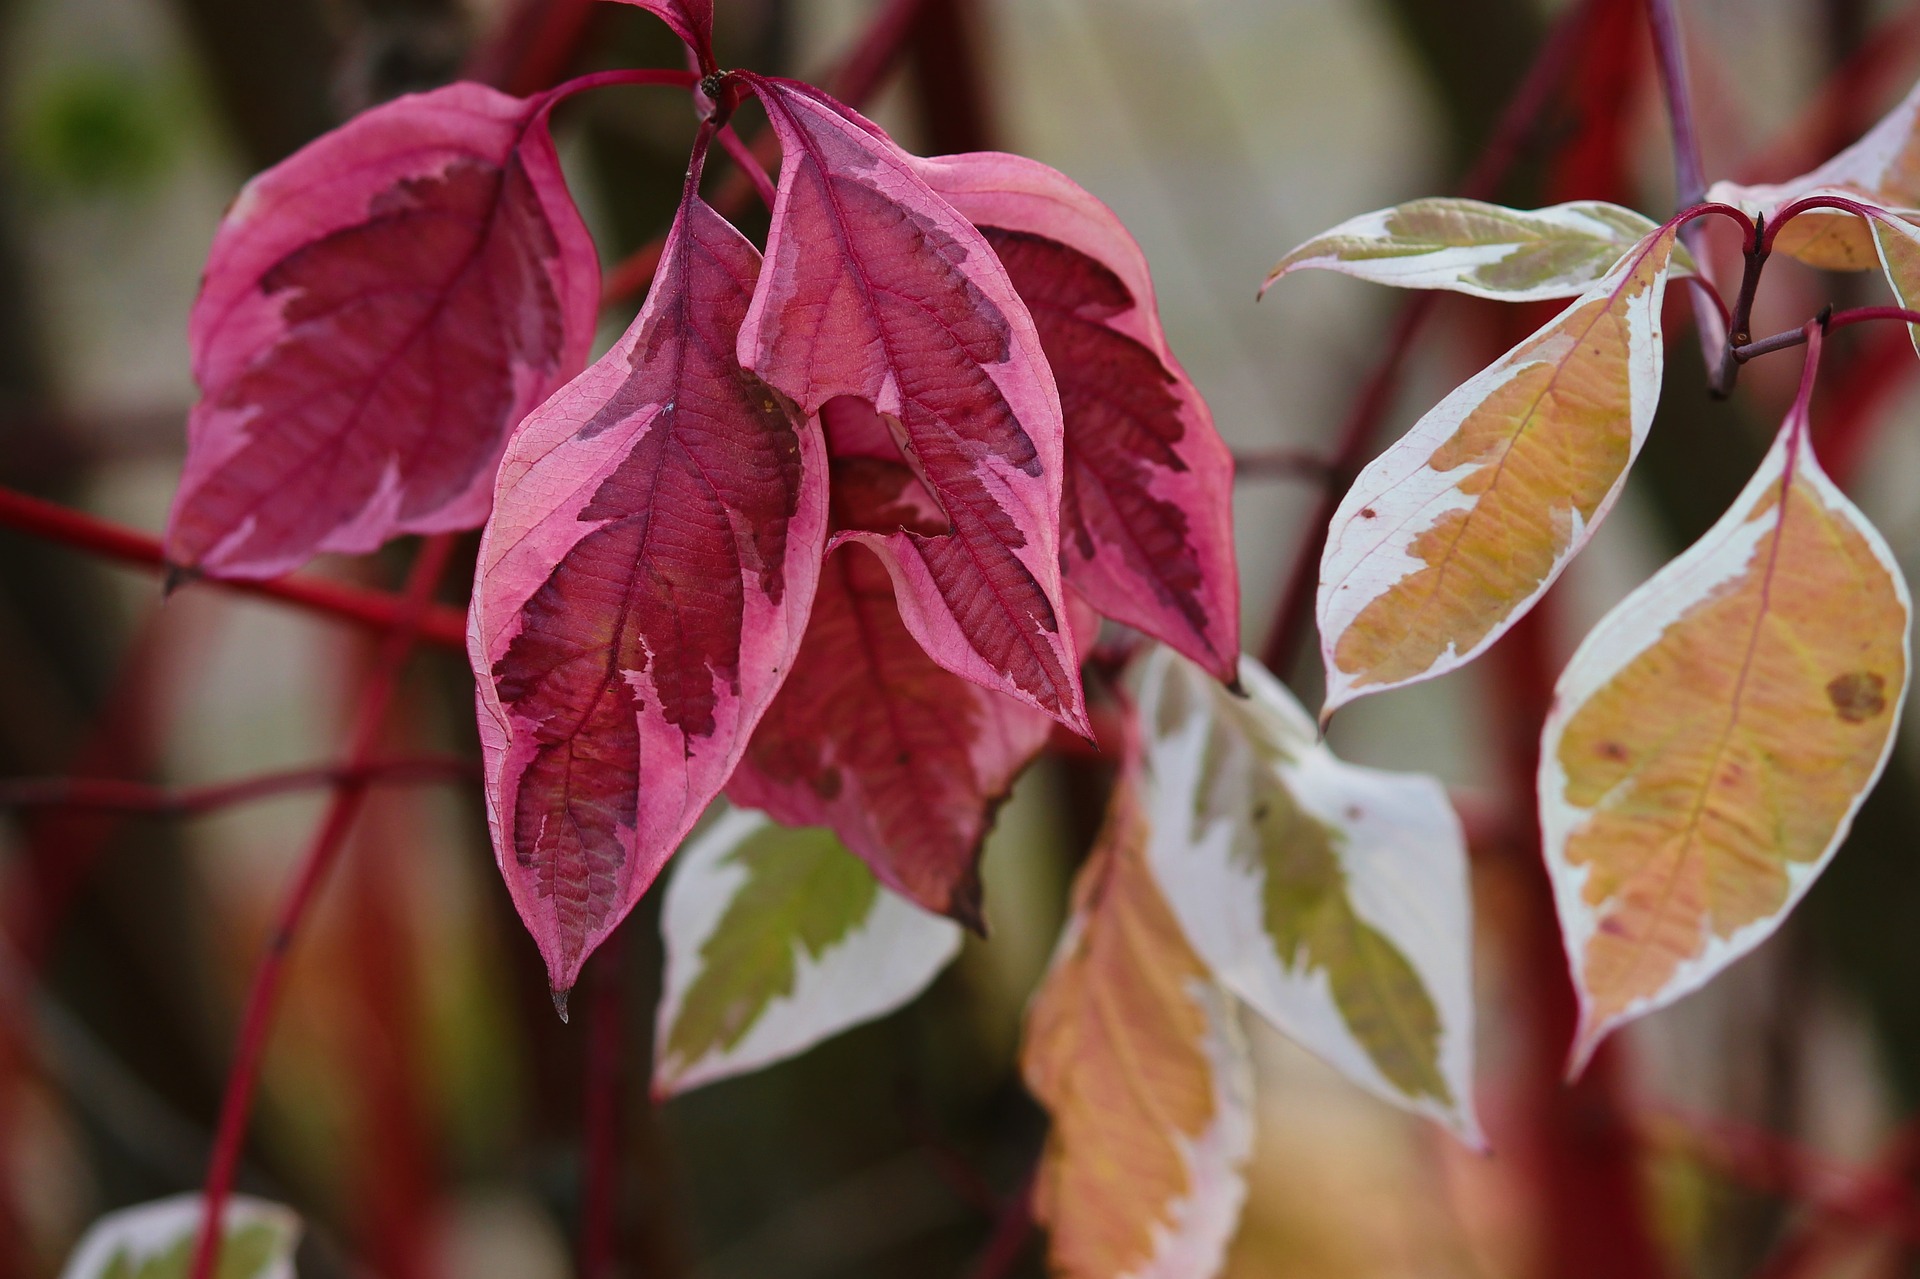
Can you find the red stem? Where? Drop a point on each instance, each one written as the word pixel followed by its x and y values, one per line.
pixel 1876 1196
pixel 600 1207
pixel 375 698
pixel 108 794
pixel 1689 176
pixel 1010 1235
pixel 437 624
pixel 749 163
pixel 1838 320
pixel 861 73
pixel 668 76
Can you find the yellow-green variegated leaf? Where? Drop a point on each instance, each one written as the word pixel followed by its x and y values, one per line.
pixel 1331 898
pixel 156 1240
pixel 1133 1049
pixel 1510 255
pixel 1453 532
pixel 1713 737
pixel 1882 168
pixel 776 939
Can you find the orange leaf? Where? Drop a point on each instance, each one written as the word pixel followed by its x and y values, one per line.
pixel 1714 735
pixel 1134 1051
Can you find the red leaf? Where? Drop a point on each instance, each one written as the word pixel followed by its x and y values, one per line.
pixel 1146 504
pixel 378 311
pixel 642 590
pixel 877 289
pixel 691 20
pixel 904 760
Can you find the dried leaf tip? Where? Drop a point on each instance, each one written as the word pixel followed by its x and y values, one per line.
pixel 560 1002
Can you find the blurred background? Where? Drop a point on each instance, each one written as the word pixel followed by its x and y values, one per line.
pixel 422 1106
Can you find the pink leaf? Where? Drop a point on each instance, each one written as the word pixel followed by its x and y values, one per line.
pixel 379 310
pixel 642 590
pixel 1146 508
pixel 904 760
pixel 877 289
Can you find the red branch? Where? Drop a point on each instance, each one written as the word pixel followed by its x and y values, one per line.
pixel 109 794
pixel 600 1208
pixel 436 624
pixel 375 698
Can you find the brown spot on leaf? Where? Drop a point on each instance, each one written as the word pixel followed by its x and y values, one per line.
pixel 1368 513
pixel 1857 696
pixel 1611 751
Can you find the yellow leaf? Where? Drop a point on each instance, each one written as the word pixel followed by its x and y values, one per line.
pixel 1452 533
pixel 1134 1051
pixel 1712 738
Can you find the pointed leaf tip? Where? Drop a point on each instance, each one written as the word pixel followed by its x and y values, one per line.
pixel 1712 738
pixel 1451 535
pixel 560 996
pixel 1484 250
pixel 641 592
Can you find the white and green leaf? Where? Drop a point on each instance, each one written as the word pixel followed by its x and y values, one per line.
pixel 156 1240
pixel 1331 898
pixel 776 939
pixel 1486 250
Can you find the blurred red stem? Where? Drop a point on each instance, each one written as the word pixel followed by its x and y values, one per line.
pixel 749 163
pixel 370 715
pixel 1010 1235
pixel 437 624
pixel 1876 1196
pixel 600 1208
pixel 108 794
pixel 1689 176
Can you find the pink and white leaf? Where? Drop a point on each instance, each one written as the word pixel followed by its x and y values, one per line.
pixel 877 289
pixel 642 590
pixel 378 311
pixel 1146 504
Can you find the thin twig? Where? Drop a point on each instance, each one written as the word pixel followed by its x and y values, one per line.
pixel 749 163
pixel 376 696
pixel 1838 320
pixel 1689 174
pixel 437 624
pixel 109 794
